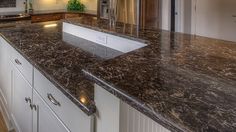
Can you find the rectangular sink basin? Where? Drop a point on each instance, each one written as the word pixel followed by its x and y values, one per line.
pixel 117 43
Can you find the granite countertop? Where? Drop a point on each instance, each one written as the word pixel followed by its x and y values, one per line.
pixel 43 12
pixel 183 82
pixel 58 60
pixel 90 12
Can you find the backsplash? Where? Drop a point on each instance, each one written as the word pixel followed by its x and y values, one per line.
pixel 7 3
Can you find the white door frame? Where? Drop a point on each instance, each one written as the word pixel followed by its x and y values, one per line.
pixel 194 17
pixel 179 16
pixel 165 14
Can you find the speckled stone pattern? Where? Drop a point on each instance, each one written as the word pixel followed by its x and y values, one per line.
pixel 43 12
pixel 59 61
pixel 184 82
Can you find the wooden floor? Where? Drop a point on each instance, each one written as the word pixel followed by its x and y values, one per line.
pixel 3 127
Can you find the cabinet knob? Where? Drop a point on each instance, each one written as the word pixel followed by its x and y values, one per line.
pixel 17 62
pixel 27 100
pixel 53 100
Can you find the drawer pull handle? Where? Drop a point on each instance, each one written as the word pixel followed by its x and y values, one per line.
pixel 53 100
pixel 33 107
pixel 27 100
pixel 17 62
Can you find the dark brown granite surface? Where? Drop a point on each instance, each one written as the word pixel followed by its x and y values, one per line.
pixel 59 61
pixel 184 82
pixel 35 12
pixel 88 12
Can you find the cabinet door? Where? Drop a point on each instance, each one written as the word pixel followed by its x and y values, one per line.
pixel 22 96
pixel 5 73
pixel 44 119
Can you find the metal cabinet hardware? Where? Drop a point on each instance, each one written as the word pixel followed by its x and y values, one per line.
pixel 53 100
pixel 17 62
pixel 27 100
pixel 33 107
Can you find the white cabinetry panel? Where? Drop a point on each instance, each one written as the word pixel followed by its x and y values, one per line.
pixel 132 120
pixel 22 97
pixel 73 117
pixel 44 119
pixel 114 115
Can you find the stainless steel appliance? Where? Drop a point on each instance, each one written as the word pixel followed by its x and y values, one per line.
pixel 126 11
pixel 139 12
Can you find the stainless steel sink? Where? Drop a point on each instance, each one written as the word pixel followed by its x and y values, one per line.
pixel 14 17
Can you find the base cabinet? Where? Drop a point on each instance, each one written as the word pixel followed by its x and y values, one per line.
pixel 5 73
pixel 25 102
pixel 114 115
pixel 22 98
pixel 44 119
pixel 5 82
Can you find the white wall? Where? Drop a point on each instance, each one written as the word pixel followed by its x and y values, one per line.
pixel 49 5
pixel 61 4
pixel 214 19
pixel 90 4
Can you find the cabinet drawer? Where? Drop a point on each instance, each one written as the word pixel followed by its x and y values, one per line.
pixel 46 17
pixel 22 65
pixel 70 114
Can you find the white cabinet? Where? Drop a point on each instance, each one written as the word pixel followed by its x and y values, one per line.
pixel 5 82
pixel 5 73
pixel 44 119
pixel 26 99
pixel 22 98
pixel 74 118
pixel 118 43
pixel 114 115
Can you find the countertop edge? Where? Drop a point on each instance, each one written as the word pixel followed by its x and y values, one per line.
pixel 135 103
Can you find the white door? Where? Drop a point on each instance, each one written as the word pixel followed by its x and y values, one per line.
pixel 183 9
pixel 22 113
pixel 44 120
pixel 216 19
pixel 178 14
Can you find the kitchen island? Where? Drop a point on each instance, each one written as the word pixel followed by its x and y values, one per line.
pixel 183 82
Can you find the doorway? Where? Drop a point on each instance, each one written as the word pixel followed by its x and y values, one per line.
pixel 181 16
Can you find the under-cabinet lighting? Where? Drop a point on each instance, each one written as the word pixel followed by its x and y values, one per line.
pixel 50 25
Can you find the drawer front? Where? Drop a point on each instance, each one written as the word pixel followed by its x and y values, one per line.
pixel 70 114
pixel 22 65
pixel 48 17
